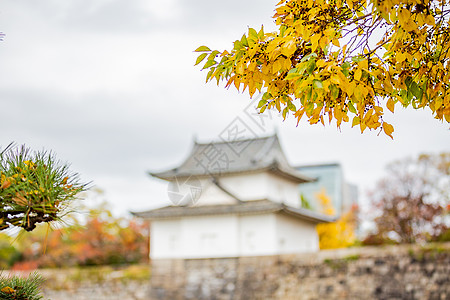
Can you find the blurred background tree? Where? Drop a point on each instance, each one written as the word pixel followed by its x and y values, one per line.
pixel 37 188
pixel 98 239
pixel 411 203
pixel 8 252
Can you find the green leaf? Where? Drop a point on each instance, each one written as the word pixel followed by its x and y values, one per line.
pixel 202 49
pixel 291 106
pixel 311 66
pixel 302 68
pixel 409 96
pixel 267 96
pixel 213 55
pixel 261 32
pixel 408 81
pixel 237 45
pixel 345 67
pixel 282 30
pixel 285 111
pixel 334 91
pixel 317 84
pixel 244 41
pixel 261 103
pixel 358 58
pixel 351 108
pixel 292 76
pixel 208 76
pixel 252 34
pixel 415 90
pixel 404 96
pixel 309 93
pixel 302 100
pixel 209 63
pixel 307 57
pixel 309 107
pixel 200 58
pixel 263 109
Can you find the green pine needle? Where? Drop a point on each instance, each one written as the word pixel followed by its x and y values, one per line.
pixel 19 288
pixel 35 187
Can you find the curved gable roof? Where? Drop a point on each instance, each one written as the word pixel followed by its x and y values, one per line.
pixel 232 157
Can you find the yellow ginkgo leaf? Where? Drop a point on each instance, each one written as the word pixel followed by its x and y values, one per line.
pixel 388 129
pixel 390 104
pixel 358 74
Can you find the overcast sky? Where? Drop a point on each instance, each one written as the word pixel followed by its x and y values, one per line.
pixel 110 86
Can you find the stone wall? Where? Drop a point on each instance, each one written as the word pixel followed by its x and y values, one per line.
pixel 107 290
pixel 99 283
pixel 394 272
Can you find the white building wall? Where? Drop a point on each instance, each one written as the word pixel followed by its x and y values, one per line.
pixel 212 195
pixel 263 185
pixel 165 239
pixel 257 235
pixel 209 236
pixel 247 187
pixel 214 236
pixel 295 236
pixel 282 190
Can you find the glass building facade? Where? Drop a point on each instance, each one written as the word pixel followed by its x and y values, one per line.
pixel 329 178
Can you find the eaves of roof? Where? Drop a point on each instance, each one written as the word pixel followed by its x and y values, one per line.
pixel 243 208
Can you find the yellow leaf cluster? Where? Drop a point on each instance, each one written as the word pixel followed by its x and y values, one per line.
pixel 344 60
pixel 338 234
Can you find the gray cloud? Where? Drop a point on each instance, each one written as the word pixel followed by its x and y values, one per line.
pixel 117 16
pixel 110 86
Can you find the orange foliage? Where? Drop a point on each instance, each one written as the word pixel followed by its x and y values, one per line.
pixel 100 241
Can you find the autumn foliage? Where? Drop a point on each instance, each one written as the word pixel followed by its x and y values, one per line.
pixel 102 240
pixel 338 234
pixel 344 60
pixel 411 203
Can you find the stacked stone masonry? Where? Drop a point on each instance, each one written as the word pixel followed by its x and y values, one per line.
pixel 394 272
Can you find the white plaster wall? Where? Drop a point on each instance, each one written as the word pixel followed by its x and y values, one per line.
pixel 264 185
pixel 209 236
pixel 214 236
pixel 282 190
pixel 231 236
pixel 295 236
pixel 247 187
pixel 212 195
pixel 165 239
pixel 257 235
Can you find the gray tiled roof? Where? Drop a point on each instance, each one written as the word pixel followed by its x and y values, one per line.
pixel 243 208
pixel 221 158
